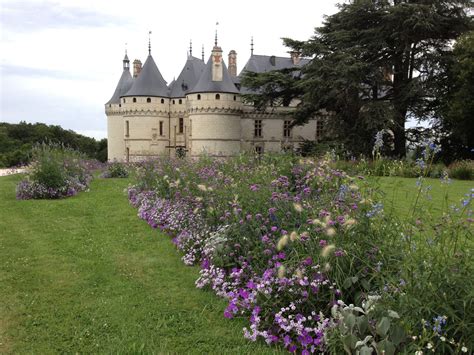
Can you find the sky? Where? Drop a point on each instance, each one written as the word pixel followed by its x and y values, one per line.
pixel 60 61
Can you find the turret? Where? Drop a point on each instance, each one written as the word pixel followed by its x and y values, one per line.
pixel 214 108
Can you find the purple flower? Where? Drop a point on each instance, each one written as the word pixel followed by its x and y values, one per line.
pixel 339 252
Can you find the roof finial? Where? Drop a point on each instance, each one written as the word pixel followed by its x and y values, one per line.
pixel 126 48
pixel 251 46
pixel 202 54
pixel 149 42
pixel 215 39
pixel 190 47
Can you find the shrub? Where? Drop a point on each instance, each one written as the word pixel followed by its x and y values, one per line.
pixel 462 170
pixel 54 173
pixel 115 170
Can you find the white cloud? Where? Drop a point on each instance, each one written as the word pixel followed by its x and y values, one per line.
pixel 61 60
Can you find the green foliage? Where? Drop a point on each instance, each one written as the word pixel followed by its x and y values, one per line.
pixel 18 140
pixel 463 170
pixel 374 64
pixel 366 329
pixel 115 170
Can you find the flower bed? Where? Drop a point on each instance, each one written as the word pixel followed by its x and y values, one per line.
pixel 55 172
pixel 294 245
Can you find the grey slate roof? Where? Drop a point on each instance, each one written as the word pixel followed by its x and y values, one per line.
pixel 124 84
pixel 205 83
pixel 266 63
pixel 188 78
pixel 149 82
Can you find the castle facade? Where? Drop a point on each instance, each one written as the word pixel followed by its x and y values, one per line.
pixel 200 112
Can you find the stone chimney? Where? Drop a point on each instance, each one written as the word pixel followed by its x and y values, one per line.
pixel 217 63
pixel 233 63
pixel 295 57
pixel 137 67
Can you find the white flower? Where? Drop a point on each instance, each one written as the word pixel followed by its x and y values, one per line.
pixel 298 207
pixel 464 349
pixel 419 352
pixel 429 346
pixel 442 338
pixel 330 232
pixel 282 242
pixel 294 236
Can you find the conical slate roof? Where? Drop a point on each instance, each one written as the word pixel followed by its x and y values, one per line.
pixel 124 84
pixel 188 78
pixel 205 83
pixel 149 82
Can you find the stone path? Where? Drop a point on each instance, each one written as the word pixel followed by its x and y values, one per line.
pixel 10 171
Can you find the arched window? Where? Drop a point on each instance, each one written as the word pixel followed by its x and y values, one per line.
pixel 134 99
pixel 162 101
pixel 199 96
pixel 180 101
pixel 218 97
pixel 148 100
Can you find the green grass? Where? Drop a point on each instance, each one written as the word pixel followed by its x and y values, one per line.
pixel 85 275
pixel 400 195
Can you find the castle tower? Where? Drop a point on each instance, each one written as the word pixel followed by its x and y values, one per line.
pixel 179 118
pixel 145 110
pixel 113 110
pixel 214 107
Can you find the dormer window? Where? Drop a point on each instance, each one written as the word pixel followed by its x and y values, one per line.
pixel 218 97
pixel 148 100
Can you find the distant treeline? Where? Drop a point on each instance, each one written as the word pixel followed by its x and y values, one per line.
pixel 16 141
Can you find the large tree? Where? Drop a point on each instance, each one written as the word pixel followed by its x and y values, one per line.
pixel 372 66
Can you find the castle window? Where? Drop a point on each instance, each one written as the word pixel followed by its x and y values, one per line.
pixel 258 128
pixel 235 97
pixel 259 150
pixel 173 102
pixel 180 101
pixel 127 158
pixel 134 99
pixel 110 105
pixel 120 105
pixel 123 100
pixel 218 97
pixel 148 100
pixel 161 128
pixel 319 129
pixel 127 128
pixel 181 125
pixel 199 96
pixel 287 129
pixel 162 101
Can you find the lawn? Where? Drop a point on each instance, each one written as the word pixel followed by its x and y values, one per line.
pixel 400 194
pixel 85 275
